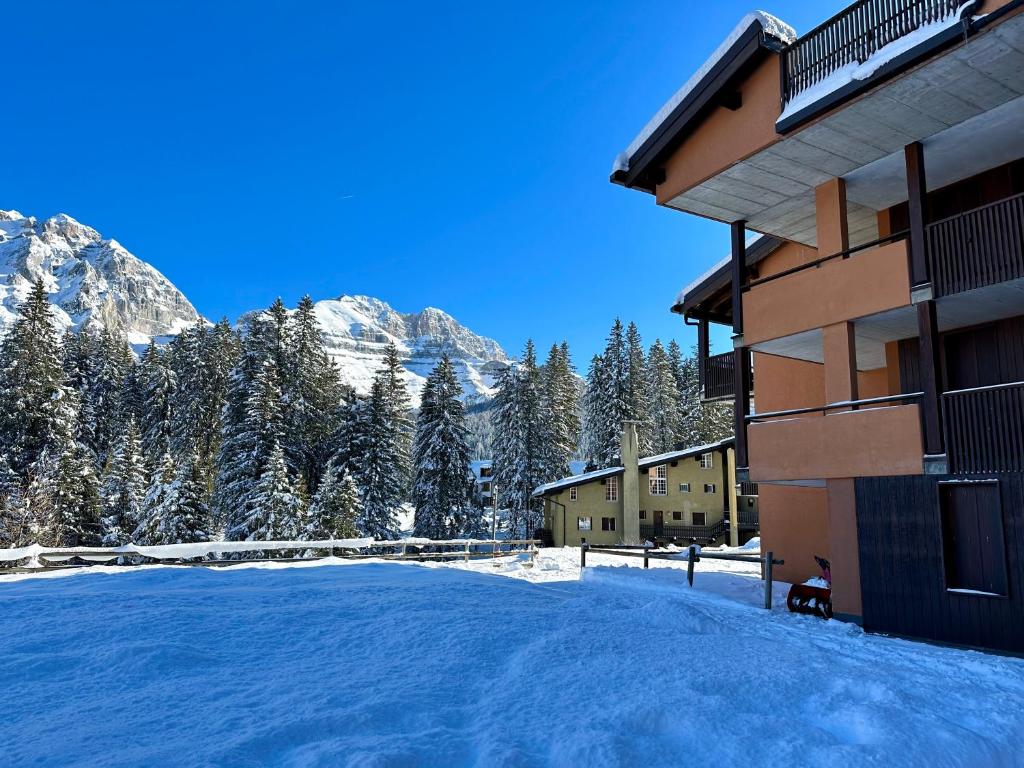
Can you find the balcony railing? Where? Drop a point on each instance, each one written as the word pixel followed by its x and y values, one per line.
pixel 749 519
pixel 984 429
pixel 981 247
pixel 684 534
pixel 853 36
pixel 719 377
pixel 748 489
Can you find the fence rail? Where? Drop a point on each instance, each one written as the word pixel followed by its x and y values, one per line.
pixel 984 246
pixel 693 556
pixel 984 429
pixel 211 553
pixel 853 36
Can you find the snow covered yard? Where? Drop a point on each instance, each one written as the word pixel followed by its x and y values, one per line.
pixel 394 664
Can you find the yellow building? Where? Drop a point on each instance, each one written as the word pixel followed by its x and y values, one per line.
pixel 677 497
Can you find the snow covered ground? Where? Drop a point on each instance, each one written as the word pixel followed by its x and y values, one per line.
pixel 395 664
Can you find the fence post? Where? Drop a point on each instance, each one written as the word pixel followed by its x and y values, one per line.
pixel 769 561
pixel 467 552
pixel 690 560
pixel 583 555
pixel 646 550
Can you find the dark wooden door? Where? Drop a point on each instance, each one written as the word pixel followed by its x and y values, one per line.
pixel 659 523
pixel 972 537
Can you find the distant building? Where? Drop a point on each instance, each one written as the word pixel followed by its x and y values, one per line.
pixel 483 472
pixel 680 497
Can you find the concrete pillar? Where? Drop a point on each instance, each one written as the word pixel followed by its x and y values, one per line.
pixel 629 453
pixel 830 215
pixel 844 552
pixel 840 348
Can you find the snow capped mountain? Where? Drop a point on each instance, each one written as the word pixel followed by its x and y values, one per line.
pixel 96 282
pixel 91 281
pixel 357 329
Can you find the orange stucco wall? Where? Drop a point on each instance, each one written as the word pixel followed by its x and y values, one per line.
pixel 872 281
pixel 843 546
pixel 725 137
pixel 875 442
pixel 794 526
pixel 787 256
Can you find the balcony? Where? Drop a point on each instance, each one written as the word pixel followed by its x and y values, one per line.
pixel 853 36
pixel 749 519
pixel 684 534
pixel 880 438
pixel 984 429
pixel 718 377
pixel 978 248
pixel 858 282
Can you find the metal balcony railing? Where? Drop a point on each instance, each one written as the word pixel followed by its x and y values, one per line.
pixel 719 377
pixel 984 246
pixel 684 534
pixel 984 429
pixel 853 36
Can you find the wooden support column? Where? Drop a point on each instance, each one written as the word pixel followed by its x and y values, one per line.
pixel 741 367
pixel 741 408
pixel 917 197
pixel 739 273
pixel 931 385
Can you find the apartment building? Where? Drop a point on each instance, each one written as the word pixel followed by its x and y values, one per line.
pixel 683 496
pixel 880 156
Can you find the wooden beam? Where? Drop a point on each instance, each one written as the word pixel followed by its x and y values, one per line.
pixel 928 331
pixel 739 273
pixel 917 196
pixel 703 351
pixel 741 408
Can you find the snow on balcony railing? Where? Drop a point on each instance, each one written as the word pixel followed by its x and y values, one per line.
pixel 856 43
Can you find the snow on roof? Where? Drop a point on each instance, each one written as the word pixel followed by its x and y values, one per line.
pixel 681 296
pixel 662 458
pixel 586 477
pixel 771 26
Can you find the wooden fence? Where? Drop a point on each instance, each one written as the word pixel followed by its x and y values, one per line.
pixel 219 554
pixel 693 556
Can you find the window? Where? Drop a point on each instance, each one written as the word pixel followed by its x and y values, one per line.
pixel 607 523
pixel 677 515
pixel 973 552
pixel 707 461
pixel 584 523
pixel 611 489
pixel 659 481
pixel 700 518
pixel 485 487
pixel 485 471
pixel 709 487
pixel 684 487
pixel 750 502
pixel 572 494
pixel 643 514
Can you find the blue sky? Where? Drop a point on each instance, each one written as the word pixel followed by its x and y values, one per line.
pixel 431 154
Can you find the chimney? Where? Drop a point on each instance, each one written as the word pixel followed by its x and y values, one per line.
pixel 629 455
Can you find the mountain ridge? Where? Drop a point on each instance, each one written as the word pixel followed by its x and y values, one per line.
pixel 96 282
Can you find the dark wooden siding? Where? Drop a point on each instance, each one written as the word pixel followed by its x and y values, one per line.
pixel 903 586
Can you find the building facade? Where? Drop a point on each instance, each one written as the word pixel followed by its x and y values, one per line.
pixel 681 497
pixel 881 157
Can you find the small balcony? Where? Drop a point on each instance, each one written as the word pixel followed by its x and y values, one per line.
pixel 748 519
pixel 979 248
pixel 684 534
pixel 852 37
pixel 718 377
pixel 878 437
pixel 984 429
